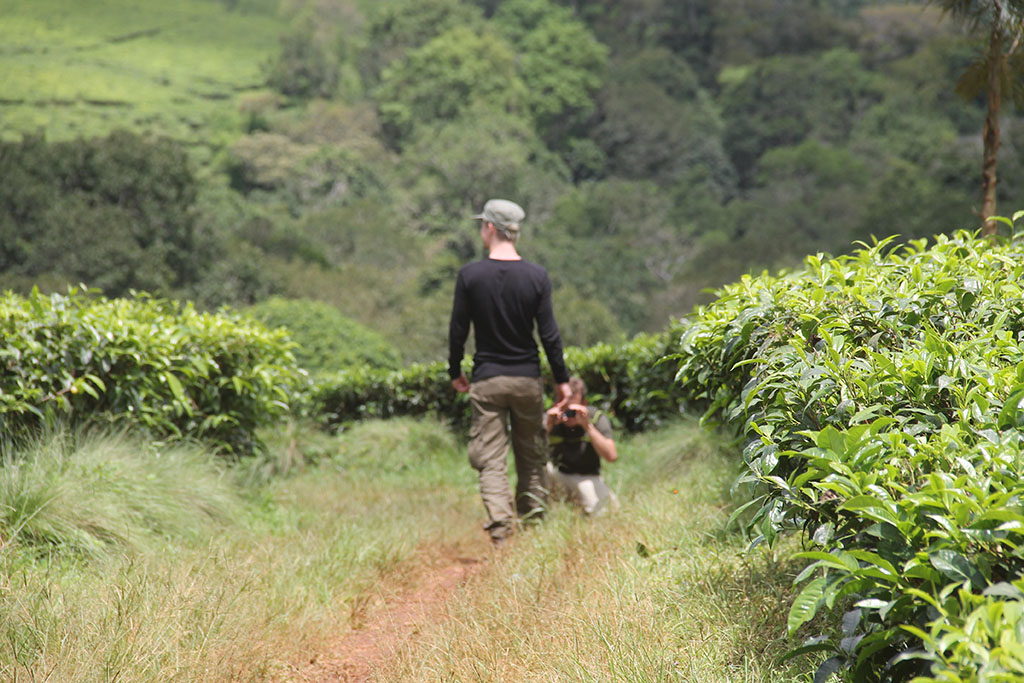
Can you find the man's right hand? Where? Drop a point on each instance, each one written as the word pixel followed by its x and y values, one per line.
pixel 461 384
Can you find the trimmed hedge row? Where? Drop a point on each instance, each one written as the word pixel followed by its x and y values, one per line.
pixel 633 381
pixel 155 363
pixel 883 397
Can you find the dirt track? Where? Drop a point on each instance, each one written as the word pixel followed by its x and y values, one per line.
pixel 356 655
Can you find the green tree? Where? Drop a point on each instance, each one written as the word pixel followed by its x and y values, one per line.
pixel 783 100
pixel 275 168
pixel 114 212
pixel 560 62
pixel 441 79
pixel 915 202
pixel 747 30
pixel 920 170
pixel 890 32
pixel 807 198
pixel 400 26
pixel 318 50
pixel 371 232
pixel 710 34
pixel 1012 164
pixel 998 70
pixel 585 321
pixel 305 66
pixel 613 241
pixel 901 127
pixel 683 26
pixel 234 274
pixel 674 137
pixel 452 167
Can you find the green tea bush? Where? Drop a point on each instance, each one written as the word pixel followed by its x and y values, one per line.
pixel 882 395
pixel 362 392
pixel 155 364
pixel 633 381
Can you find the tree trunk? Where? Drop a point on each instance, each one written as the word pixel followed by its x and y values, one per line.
pixel 991 132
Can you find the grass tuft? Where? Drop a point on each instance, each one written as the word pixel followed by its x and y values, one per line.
pixel 95 494
pixel 124 561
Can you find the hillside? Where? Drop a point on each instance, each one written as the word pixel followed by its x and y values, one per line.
pixel 314 163
pixel 332 150
pixel 86 68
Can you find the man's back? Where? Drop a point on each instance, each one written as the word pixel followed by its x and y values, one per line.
pixel 502 299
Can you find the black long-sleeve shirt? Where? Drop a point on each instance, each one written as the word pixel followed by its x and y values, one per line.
pixel 502 299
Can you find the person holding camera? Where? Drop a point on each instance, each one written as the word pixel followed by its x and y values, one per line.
pixel 579 438
pixel 503 296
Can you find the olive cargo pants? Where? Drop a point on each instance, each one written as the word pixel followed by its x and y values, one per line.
pixel 503 405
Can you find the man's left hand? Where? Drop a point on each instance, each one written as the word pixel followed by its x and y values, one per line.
pixel 563 393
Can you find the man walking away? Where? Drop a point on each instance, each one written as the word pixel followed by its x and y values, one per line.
pixel 502 297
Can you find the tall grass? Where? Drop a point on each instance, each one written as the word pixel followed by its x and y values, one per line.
pixel 118 565
pixel 94 495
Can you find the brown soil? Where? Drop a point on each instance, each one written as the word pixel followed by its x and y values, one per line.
pixel 391 621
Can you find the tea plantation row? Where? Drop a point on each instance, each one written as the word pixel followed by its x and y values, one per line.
pixel 154 364
pixel 177 373
pixel 882 396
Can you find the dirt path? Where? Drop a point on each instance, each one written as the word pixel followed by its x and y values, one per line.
pixel 355 656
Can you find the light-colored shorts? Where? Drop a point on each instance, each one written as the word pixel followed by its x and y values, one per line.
pixel 588 490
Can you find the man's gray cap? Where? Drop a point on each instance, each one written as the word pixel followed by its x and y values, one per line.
pixel 503 213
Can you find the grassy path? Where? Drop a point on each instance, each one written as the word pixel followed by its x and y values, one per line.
pixel 121 563
pixel 656 592
pixel 378 637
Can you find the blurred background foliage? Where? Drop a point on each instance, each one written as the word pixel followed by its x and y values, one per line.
pixel 326 340
pixel 318 159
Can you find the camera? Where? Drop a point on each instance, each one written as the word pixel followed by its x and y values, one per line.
pixel 569 412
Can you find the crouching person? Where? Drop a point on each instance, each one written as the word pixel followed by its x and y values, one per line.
pixel 579 438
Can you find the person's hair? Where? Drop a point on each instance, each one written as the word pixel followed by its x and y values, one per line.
pixel 508 235
pixel 577 387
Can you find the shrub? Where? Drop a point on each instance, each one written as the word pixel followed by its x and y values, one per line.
pixel 157 364
pixel 325 339
pixel 362 392
pixel 305 66
pixel 114 212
